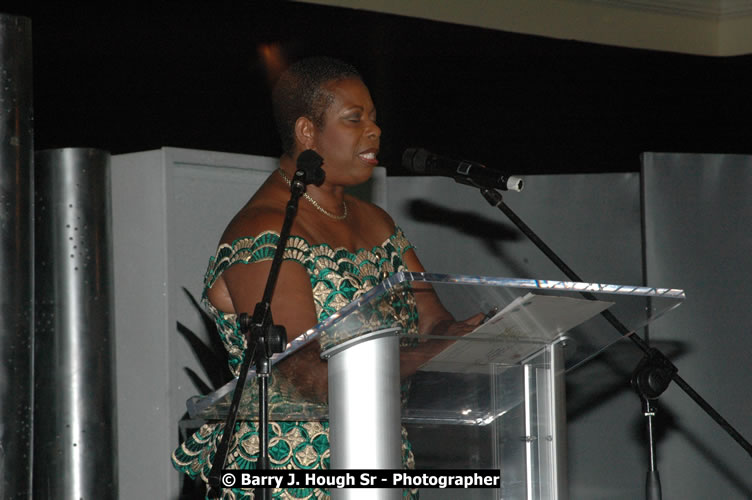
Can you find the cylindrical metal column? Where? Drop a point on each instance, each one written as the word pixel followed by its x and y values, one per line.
pixel 364 409
pixel 16 257
pixel 75 452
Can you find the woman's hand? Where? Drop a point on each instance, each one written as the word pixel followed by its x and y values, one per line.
pixel 451 328
pixel 412 358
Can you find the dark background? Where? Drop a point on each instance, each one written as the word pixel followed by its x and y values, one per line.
pixel 191 75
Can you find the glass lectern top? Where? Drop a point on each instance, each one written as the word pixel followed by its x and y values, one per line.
pixel 523 316
pixel 518 310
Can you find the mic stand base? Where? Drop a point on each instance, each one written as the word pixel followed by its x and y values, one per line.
pixel 650 379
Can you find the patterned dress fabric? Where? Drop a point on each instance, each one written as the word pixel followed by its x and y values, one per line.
pixel 337 277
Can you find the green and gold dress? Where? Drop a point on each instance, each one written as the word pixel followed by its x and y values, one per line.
pixel 337 277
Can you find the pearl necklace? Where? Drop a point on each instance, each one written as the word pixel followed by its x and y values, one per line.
pixel 315 203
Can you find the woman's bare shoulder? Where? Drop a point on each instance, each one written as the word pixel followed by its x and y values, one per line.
pixel 252 221
pixel 264 212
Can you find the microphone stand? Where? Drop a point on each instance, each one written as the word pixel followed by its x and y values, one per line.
pixel 655 371
pixel 266 339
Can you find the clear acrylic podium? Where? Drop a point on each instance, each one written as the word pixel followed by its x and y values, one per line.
pixel 492 399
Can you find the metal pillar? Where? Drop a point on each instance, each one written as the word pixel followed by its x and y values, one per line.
pixel 16 257
pixel 364 409
pixel 74 401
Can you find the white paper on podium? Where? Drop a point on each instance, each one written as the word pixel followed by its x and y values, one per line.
pixel 524 326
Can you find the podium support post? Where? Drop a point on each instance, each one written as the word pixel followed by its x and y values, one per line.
pixel 364 409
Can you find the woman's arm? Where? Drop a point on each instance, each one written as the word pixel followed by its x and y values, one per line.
pixel 433 319
pixel 241 287
pixel 292 307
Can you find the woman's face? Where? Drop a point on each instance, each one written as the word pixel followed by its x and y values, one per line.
pixel 349 138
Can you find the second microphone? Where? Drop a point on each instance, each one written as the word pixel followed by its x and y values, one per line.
pixel 420 161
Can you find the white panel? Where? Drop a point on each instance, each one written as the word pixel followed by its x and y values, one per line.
pixel 698 238
pixel 204 193
pixel 140 276
pixel 593 223
pixel 170 208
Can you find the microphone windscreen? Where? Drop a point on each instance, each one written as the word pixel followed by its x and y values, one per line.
pixel 309 161
pixel 415 160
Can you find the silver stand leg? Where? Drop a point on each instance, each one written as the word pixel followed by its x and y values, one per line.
pixel 364 410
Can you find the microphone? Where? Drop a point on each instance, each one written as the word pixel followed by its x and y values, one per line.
pixel 420 161
pixel 309 168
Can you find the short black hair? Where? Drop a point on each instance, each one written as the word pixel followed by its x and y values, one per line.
pixel 300 92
